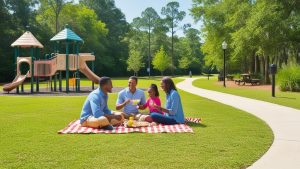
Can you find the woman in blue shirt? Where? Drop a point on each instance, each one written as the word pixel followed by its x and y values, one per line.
pixel 173 112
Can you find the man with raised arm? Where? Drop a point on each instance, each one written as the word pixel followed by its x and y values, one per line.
pixel 130 97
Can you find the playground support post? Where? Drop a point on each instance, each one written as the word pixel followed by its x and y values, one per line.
pixel 37 84
pixel 60 81
pixel 37 78
pixel 77 70
pixel 22 87
pixel 67 66
pixel 55 79
pixel 15 65
pixel 32 69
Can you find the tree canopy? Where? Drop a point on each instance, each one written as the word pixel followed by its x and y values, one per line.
pixel 119 46
pixel 258 33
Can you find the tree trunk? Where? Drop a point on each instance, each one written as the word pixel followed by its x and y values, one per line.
pixel 285 56
pixel 267 62
pixel 172 68
pixel 255 64
pixel 252 65
pixel 263 70
pixel 56 23
pixel 149 52
pixel 245 64
pixel 298 56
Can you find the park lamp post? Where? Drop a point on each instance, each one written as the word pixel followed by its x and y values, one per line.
pixel 224 47
pixel 273 71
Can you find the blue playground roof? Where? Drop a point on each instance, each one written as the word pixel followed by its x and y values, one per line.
pixel 66 34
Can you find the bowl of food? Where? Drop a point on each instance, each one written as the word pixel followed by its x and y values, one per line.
pixel 135 101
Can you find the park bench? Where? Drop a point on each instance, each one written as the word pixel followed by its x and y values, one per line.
pixel 221 77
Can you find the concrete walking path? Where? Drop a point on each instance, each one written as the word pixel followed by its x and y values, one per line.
pixel 284 153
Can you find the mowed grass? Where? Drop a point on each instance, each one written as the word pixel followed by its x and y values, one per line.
pixel 228 138
pixel 290 99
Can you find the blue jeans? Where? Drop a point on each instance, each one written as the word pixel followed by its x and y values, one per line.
pixel 160 118
pixel 109 127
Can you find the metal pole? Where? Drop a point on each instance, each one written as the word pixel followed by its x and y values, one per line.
pixel 224 83
pixel 67 66
pixel 273 84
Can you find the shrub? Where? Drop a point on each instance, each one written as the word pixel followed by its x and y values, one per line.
pixel 289 78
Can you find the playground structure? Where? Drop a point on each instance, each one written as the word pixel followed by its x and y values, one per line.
pixel 52 66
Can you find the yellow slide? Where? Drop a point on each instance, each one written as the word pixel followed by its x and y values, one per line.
pixel 15 83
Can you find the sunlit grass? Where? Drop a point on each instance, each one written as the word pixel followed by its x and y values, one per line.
pixel 290 99
pixel 228 138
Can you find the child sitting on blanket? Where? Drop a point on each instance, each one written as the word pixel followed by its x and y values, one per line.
pixel 151 102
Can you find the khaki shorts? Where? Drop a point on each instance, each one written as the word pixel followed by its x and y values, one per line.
pixel 95 122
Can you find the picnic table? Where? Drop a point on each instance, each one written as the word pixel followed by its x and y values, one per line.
pixel 229 77
pixel 221 78
pixel 247 78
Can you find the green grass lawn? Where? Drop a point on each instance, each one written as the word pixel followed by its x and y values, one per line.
pixel 228 138
pixel 290 99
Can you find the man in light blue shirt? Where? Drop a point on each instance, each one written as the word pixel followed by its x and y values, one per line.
pixel 95 112
pixel 130 97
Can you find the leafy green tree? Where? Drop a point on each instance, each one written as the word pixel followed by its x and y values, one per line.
pixel 173 17
pixel 15 16
pixel 85 23
pixel 115 50
pixel 137 40
pixel 148 22
pixel 258 33
pixel 56 6
pixel 188 50
pixel 161 60
pixel 22 11
pixel 134 62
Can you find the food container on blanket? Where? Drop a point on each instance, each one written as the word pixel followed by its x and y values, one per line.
pixel 135 101
pixel 136 124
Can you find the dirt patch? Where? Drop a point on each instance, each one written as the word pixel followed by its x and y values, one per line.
pixel 231 84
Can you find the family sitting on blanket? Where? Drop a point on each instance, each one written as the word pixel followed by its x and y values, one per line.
pixel 95 112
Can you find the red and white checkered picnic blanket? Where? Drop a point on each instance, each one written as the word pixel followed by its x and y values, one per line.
pixel 75 128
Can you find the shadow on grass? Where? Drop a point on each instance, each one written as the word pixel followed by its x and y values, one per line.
pixel 196 125
pixel 289 98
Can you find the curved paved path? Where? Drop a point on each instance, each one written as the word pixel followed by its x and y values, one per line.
pixel 284 153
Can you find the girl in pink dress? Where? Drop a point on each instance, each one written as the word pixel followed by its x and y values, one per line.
pixel 151 102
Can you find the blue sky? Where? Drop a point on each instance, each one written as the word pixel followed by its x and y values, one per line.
pixel 134 8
